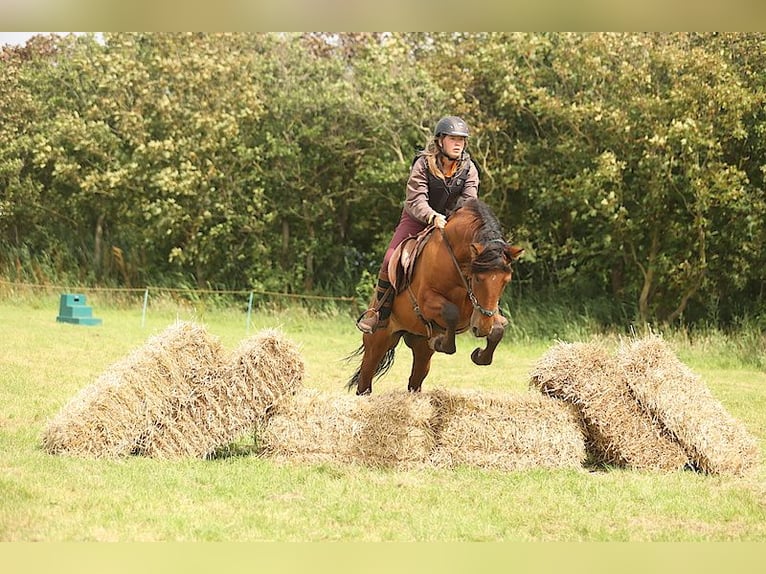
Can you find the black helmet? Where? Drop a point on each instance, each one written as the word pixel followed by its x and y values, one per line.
pixel 451 126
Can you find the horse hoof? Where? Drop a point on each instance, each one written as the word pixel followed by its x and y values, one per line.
pixel 438 345
pixel 446 350
pixel 479 359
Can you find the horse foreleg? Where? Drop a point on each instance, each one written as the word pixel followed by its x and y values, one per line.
pixel 421 361
pixel 484 356
pixel 445 342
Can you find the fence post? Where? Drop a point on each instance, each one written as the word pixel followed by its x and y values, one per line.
pixel 143 312
pixel 249 313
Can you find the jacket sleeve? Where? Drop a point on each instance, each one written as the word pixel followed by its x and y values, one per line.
pixel 471 189
pixel 416 200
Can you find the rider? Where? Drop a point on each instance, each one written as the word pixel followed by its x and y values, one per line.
pixel 442 176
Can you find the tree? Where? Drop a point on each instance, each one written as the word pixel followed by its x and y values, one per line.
pixel 345 118
pixel 619 158
pixel 629 165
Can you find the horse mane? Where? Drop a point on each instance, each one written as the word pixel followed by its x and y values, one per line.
pixel 487 232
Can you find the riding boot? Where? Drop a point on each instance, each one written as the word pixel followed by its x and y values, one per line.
pixel 377 315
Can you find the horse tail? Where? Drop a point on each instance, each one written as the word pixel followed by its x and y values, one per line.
pixel 383 366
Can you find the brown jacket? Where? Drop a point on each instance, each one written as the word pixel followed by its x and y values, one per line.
pixel 427 194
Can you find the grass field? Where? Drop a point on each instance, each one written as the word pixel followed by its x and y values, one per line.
pixel 246 498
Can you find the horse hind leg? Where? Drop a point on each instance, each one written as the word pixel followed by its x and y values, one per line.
pixel 377 358
pixel 421 361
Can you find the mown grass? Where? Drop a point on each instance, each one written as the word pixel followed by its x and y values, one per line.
pixel 247 498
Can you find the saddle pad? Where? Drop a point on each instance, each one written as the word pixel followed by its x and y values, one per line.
pixel 402 262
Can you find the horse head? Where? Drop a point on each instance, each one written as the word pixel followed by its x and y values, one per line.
pixel 485 262
pixel 490 272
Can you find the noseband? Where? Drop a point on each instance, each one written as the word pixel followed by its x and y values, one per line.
pixel 467 282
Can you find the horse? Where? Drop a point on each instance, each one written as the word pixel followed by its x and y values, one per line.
pixel 456 283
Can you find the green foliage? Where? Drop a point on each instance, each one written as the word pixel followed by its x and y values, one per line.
pixel 629 165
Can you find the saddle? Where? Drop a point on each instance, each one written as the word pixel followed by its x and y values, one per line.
pixel 402 262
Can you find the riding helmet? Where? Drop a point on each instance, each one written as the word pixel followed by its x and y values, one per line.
pixel 451 126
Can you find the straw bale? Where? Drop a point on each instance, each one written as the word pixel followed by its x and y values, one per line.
pixel 110 417
pixel 387 430
pixel 232 403
pixel 506 431
pixel 619 431
pixel 440 428
pixel 715 441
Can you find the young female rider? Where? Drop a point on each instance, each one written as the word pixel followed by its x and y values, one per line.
pixel 441 177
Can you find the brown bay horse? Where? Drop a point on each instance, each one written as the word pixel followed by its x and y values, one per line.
pixel 456 285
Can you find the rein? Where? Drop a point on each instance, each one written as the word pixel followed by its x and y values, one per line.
pixel 466 283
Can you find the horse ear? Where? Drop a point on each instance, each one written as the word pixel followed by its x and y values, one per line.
pixel 476 249
pixel 513 252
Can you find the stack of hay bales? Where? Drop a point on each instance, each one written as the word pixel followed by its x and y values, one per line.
pixel 505 431
pixel 386 430
pixel 669 391
pixel 262 370
pixel 645 409
pixel 619 433
pixel 440 428
pixel 112 416
pixel 177 396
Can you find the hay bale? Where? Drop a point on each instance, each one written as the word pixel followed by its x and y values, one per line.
pixel 506 431
pixel 386 430
pixel 110 417
pixel 715 442
pixel 619 431
pixel 231 403
pixel 441 428
pixel 313 428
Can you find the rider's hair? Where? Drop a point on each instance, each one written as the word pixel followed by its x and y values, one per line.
pixel 433 151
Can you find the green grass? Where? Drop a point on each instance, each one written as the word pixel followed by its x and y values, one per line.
pixel 247 498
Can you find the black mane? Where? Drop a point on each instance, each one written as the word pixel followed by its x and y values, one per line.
pixel 489 234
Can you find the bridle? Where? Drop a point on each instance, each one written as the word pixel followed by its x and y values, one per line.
pixel 467 281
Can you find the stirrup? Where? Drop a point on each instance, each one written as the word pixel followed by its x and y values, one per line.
pixel 367 321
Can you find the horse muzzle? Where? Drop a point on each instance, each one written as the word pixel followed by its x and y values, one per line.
pixel 483 325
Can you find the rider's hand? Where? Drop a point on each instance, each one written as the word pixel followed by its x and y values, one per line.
pixel 439 221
